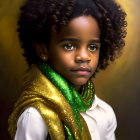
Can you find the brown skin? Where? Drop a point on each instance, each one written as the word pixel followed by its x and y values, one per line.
pixel 74 52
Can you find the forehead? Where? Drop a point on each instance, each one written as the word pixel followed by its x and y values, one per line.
pixel 83 26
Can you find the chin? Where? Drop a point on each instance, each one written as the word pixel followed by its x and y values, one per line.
pixel 79 81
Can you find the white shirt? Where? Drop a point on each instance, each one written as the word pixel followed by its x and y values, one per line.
pixel 100 118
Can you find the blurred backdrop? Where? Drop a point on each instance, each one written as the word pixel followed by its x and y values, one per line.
pixel 119 84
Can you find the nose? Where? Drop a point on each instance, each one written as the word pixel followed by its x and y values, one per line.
pixel 82 56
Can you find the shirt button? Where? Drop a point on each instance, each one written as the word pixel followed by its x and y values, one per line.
pixel 92 131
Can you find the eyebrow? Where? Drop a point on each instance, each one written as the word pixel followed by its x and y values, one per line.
pixel 69 39
pixel 77 40
pixel 95 41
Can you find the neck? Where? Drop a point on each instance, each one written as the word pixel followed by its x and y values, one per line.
pixel 77 87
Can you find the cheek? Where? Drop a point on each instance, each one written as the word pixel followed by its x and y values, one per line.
pixel 66 57
pixel 67 61
pixel 95 60
pixel 63 59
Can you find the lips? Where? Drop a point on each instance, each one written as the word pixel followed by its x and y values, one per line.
pixel 81 71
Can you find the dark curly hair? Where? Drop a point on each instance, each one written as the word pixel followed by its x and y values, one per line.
pixel 39 18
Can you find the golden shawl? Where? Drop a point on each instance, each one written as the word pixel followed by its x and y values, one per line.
pixel 40 93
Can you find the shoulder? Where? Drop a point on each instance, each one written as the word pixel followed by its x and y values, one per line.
pixel 102 112
pixel 32 111
pixel 108 113
pixel 107 109
pixel 31 124
pixel 105 106
pixel 30 116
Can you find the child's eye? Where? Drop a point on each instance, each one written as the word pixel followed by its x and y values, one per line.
pixel 69 47
pixel 92 47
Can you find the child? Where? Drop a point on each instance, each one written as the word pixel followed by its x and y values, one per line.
pixel 65 43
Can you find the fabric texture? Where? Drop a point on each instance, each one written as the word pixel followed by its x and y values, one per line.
pixel 40 93
pixel 78 102
pixel 100 118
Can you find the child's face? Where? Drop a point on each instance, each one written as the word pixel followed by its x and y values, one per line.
pixel 74 52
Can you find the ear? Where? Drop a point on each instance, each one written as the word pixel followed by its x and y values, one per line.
pixel 41 51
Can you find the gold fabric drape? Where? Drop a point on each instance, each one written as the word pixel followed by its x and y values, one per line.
pixel 40 93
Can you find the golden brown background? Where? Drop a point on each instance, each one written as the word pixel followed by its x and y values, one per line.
pixel 119 84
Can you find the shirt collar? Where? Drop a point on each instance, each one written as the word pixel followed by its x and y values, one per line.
pixel 94 103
